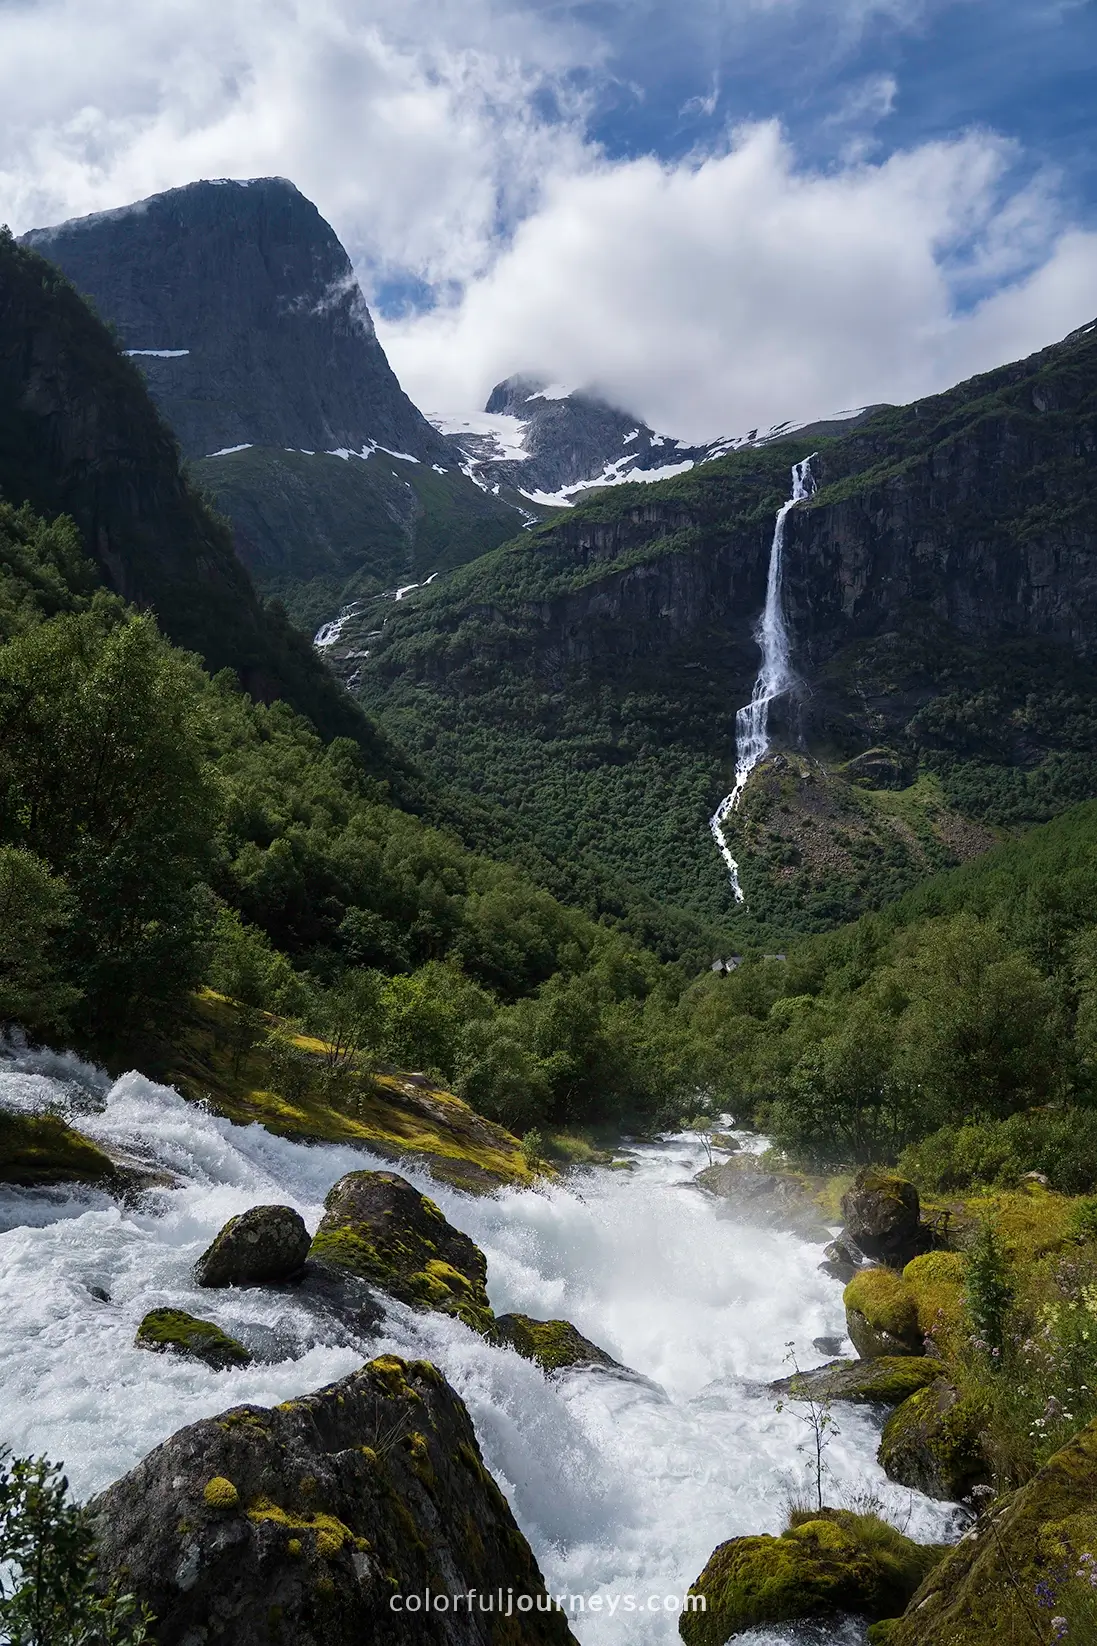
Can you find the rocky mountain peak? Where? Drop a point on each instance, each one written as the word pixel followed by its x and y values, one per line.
pixel 243 308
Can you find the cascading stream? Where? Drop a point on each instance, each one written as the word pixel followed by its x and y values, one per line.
pixel 620 1486
pixel 775 676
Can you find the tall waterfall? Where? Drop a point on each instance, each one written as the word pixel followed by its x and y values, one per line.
pixel 775 676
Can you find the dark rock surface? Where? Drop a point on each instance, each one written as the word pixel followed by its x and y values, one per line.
pixel 253 284
pixel 883 1217
pixel 378 1227
pixel 300 1524
pixel 174 1331
pixel 262 1246
pixel 556 1345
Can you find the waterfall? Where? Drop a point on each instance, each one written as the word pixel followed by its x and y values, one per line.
pixel 775 676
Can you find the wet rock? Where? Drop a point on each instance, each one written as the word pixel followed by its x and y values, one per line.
pixel 264 1245
pixel 774 1200
pixel 827 1345
pixel 173 1331
pixel 883 1217
pixel 932 1442
pixel 882 1315
pixel 377 1226
pixel 39 1150
pixel 980 1593
pixel 842 1259
pixel 827 1563
pixel 555 1345
pixel 885 1381
pixel 303 1523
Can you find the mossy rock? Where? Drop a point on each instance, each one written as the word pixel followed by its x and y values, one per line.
pixel 936 1280
pixel 885 1381
pixel 882 1315
pixel 932 1442
pixel 983 1592
pixel 38 1150
pixel 555 1345
pixel 377 1225
pixel 173 1331
pixel 882 1213
pixel 828 1562
pixel 261 1246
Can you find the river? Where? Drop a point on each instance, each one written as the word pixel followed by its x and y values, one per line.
pixel 621 1486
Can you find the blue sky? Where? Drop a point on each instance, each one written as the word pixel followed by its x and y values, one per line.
pixel 720 212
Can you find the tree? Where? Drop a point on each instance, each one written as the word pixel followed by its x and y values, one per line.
pixel 49 1594
pixel 34 909
pixel 103 776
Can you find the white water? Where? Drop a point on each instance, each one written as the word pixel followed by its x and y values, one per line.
pixel 775 676
pixel 619 1486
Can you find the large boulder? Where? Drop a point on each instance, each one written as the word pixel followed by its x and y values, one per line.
pixel 556 1345
pixel 828 1562
pixel 262 1246
pixel 886 1381
pixel 936 1282
pixel 175 1332
pixel 882 1216
pixel 377 1226
pixel 933 1441
pixel 882 1315
pixel 765 1199
pixel 323 1522
pixel 985 1591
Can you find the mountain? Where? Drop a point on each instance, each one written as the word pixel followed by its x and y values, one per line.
pixel 79 435
pixel 242 309
pixel 941 592
pixel 549 444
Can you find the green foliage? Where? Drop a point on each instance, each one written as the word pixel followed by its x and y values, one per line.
pixel 49 1593
pixel 1060 1143
pixel 35 907
pixel 988 1290
pixel 102 778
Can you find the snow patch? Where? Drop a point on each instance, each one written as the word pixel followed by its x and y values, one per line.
pixel 227 451
pixel 629 438
pixel 499 437
pixel 552 391
pixel 158 354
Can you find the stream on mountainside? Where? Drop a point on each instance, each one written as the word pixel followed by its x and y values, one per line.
pixel 620 1485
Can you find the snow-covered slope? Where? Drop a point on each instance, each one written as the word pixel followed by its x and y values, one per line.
pixel 552 444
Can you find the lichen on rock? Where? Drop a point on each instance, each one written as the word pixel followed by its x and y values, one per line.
pixel 829 1561
pixel 887 1380
pixel 377 1226
pixel 555 1345
pixel 174 1331
pixel 320 1512
pixel 932 1442
pixel 984 1592
pixel 262 1246
pixel 882 1315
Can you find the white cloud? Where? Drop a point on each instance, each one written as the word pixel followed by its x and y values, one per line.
pixel 445 141
pixel 741 289
pixel 414 128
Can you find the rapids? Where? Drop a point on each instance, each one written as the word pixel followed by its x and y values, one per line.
pixel 620 1485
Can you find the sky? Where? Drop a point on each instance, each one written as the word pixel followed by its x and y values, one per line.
pixel 718 213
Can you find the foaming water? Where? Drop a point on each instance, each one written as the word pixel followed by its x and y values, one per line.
pixel 621 1485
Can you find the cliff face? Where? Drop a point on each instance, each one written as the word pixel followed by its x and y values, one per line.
pixel 941 594
pixel 80 436
pixel 244 311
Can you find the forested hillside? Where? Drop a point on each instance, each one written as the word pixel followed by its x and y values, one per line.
pixel 941 606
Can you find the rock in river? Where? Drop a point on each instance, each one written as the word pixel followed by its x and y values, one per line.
pixel 174 1331
pixel 316 1522
pixel 377 1226
pixel 262 1246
